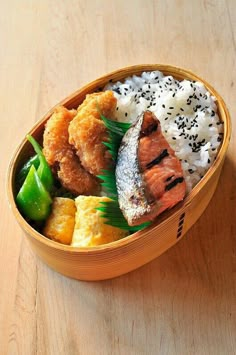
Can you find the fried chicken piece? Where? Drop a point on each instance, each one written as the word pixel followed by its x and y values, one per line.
pixel 60 155
pixel 87 131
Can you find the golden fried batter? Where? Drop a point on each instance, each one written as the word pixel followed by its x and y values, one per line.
pixel 61 157
pixel 87 131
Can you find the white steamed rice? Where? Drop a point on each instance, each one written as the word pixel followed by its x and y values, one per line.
pixel 186 110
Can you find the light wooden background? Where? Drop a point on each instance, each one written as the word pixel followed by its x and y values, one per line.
pixel 184 302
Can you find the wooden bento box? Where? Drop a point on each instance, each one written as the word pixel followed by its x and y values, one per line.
pixel 117 258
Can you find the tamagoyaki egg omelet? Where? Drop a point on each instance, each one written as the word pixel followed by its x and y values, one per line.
pixel 60 224
pixel 90 228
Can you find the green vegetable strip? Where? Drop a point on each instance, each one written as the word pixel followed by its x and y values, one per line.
pixel 33 199
pixel 119 128
pixel 109 183
pixel 116 131
pixel 25 169
pixel 111 211
pixel 44 171
pixel 35 181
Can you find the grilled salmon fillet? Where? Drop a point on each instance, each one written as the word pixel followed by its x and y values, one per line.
pixel 149 176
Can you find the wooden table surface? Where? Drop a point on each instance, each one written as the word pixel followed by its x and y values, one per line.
pixel 184 302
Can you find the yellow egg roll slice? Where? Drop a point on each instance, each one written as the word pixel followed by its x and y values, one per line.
pixel 90 228
pixel 60 224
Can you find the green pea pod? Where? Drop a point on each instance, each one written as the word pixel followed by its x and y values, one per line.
pixel 33 199
pixel 25 169
pixel 44 171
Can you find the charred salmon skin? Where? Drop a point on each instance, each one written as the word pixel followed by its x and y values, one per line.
pixel 149 176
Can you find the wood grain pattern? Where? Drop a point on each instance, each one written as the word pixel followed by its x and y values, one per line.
pixel 184 301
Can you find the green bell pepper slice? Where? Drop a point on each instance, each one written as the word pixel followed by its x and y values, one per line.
pixel 33 199
pixel 25 169
pixel 43 170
